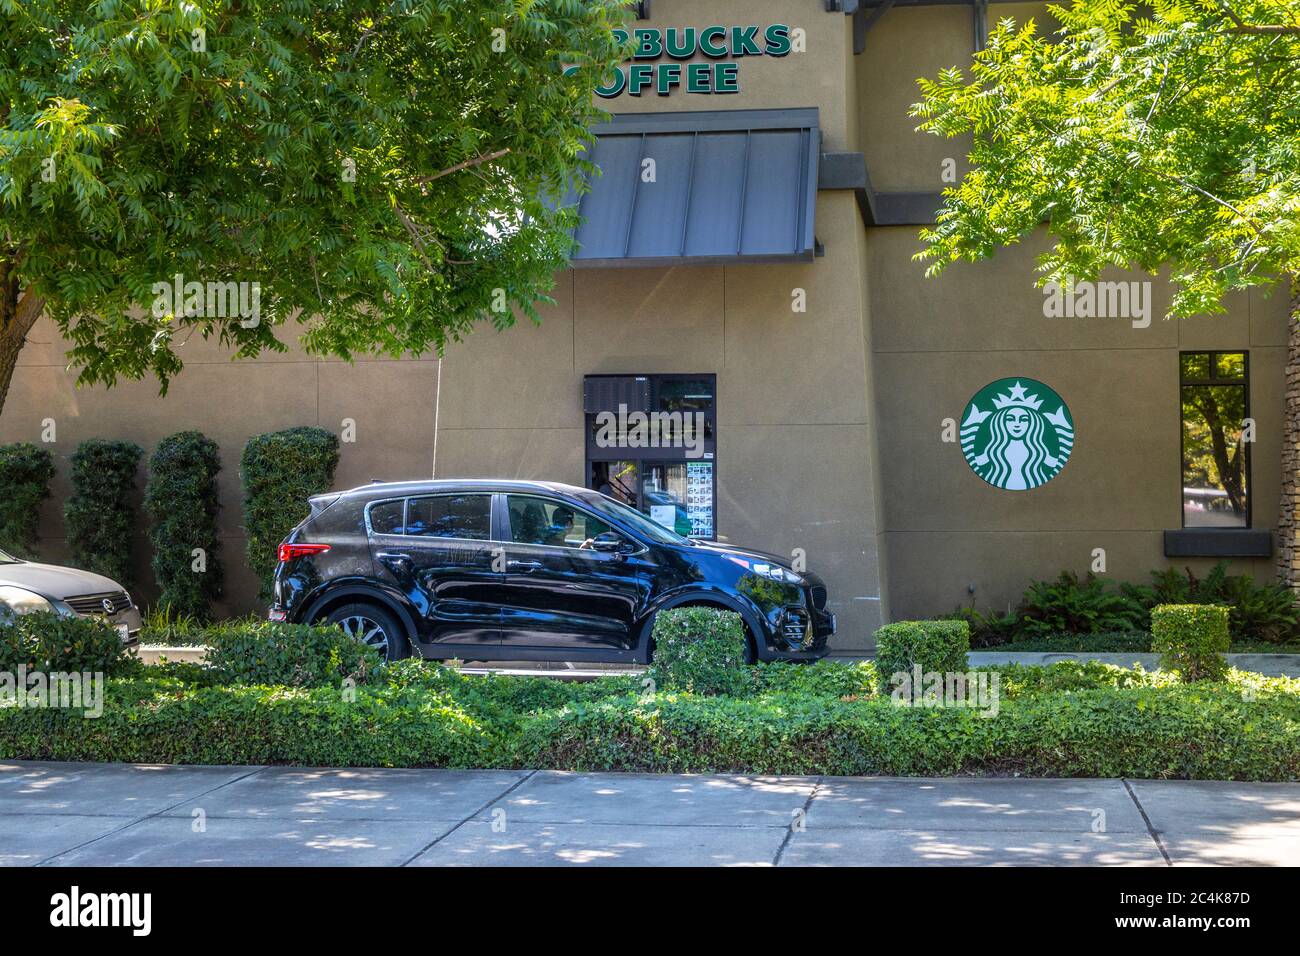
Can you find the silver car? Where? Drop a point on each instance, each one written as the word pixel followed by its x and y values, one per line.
pixel 27 587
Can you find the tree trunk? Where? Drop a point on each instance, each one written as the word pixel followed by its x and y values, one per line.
pixel 18 313
pixel 1288 548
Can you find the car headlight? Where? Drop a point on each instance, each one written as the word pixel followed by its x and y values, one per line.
pixel 768 570
pixel 15 601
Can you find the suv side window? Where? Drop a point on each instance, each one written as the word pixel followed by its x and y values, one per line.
pixel 543 521
pixel 450 516
pixel 386 517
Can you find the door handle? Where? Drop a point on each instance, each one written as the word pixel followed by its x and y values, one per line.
pixel 394 557
pixel 523 566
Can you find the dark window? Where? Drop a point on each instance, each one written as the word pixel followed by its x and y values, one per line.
pixel 545 521
pixel 652 444
pixel 386 517
pixel 450 516
pixel 1215 392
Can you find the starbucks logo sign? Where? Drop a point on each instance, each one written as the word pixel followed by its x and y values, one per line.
pixel 1016 434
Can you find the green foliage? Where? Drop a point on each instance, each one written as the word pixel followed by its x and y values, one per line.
pixel 934 646
pixel 1071 606
pixel 378 167
pixel 1191 639
pixel 100 514
pixel 824 678
pixel 52 643
pixel 1101 642
pixel 1161 733
pixel 699 650
pixel 1259 612
pixel 1064 720
pixel 181 498
pixel 987 629
pixel 292 655
pixel 1140 135
pixel 280 471
pixel 25 473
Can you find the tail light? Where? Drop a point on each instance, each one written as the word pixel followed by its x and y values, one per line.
pixel 290 551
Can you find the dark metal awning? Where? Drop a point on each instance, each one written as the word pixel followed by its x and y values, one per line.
pixel 735 186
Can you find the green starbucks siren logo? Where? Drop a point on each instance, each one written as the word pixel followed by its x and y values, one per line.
pixel 1016 434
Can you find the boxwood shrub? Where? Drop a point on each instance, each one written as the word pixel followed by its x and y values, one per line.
pixel 700 650
pixel 1191 639
pixel 292 655
pixel 100 514
pixel 935 646
pixel 181 499
pixel 25 473
pixel 49 642
pixel 280 471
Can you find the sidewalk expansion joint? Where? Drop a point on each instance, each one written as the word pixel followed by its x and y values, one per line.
pixel 442 836
pixel 1147 820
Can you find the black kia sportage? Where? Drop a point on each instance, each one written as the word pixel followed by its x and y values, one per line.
pixel 526 570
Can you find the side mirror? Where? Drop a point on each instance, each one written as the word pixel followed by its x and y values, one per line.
pixel 608 541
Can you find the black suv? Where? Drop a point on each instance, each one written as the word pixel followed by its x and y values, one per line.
pixel 525 570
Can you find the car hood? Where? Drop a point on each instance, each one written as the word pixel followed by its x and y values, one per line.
pixel 54 581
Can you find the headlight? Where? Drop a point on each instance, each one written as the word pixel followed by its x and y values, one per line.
pixel 769 570
pixel 21 601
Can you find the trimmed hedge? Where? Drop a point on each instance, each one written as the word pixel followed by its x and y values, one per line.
pixel 1061 721
pixel 1182 731
pixel 700 650
pixel 49 642
pixel 290 655
pixel 934 646
pixel 1191 639
pixel 181 498
pixel 280 471
pixel 100 514
pixel 25 473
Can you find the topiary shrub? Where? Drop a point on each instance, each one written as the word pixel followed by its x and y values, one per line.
pixel 700 650
pixel 280 471
pixel 100 514
pixel 52 643
pixel 181 498
pixel 1191 639
pixel 934 646
pixel 25 473
pixel 296 655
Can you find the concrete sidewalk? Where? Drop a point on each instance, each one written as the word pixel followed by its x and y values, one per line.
pixel 69 814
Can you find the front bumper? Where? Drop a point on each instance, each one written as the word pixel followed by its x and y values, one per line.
pixel 126 621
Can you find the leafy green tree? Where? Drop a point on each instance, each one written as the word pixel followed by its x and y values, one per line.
pixel 380 168
pixel 1140 135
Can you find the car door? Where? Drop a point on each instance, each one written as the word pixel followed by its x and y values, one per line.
pixel 437 550
pixel 558 593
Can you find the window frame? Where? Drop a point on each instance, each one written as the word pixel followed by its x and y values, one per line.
pixel 1212 380
pixel 508 529
pixel 645 457
pixel 406 509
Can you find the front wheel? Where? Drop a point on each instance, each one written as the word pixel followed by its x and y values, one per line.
pixel 373 626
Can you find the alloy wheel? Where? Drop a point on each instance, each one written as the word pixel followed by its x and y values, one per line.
pixel 367 631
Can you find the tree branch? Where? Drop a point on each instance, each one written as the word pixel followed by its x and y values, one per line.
pixel 476 161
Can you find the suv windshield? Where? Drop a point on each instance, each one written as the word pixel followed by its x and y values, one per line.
pixel 633 518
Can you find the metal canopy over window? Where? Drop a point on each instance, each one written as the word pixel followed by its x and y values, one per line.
pixel 719 187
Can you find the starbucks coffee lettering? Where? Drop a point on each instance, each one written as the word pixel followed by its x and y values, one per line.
pixel 716 73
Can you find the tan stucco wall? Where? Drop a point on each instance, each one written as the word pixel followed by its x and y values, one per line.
pixel 938 341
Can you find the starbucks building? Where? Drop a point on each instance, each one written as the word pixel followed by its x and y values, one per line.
pixel 745 349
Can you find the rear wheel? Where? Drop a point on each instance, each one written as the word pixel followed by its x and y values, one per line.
pixel 373 626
